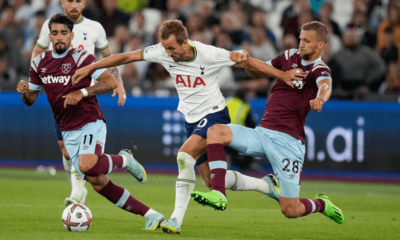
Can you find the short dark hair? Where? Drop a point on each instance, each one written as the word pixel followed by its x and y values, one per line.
pixel 319 28
pixel 173 27
pixel 62 19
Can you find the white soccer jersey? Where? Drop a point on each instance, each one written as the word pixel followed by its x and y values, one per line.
pixel 88 35
pixel 196 80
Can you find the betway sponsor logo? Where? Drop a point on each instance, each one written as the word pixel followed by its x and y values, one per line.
pixel 56 79
pixel 298 84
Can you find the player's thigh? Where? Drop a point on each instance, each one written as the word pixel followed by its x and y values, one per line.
pixel 195 146
pixel 90 140
pixel 286 155
pixel 93 138
pixel 246 141
pixel 197 132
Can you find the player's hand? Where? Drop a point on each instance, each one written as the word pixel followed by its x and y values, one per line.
pixel 239 56
pixel 316 104
pixel 79 75
pixel 73 98
pixel 22 87
pixel 120 90
pixel 294 74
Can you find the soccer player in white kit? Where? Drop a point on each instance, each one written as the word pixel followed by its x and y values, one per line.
pixel 88 36
pixel 194 68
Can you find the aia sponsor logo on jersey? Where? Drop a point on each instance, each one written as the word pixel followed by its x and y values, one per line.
pixel 188 83
pixel 294 65
pixel 66 67
pixel 56 79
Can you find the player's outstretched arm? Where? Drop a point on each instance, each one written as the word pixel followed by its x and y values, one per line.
pixel 243 61
pixel 120 90
pixel 111 61
pixel 238 57
pixel 105 84
pixel 323 95
pixel 28 96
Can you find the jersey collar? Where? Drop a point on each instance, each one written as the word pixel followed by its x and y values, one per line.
pixel 195 52
pixel 80 20
pixel 308 63
pixel 55 55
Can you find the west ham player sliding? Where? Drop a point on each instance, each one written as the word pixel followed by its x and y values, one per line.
pixel 81 121
pixel 280 136
pixel 194 67
pixel 88 36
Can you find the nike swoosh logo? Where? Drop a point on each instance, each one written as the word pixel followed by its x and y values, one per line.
pixel 139 179
pixel 172 66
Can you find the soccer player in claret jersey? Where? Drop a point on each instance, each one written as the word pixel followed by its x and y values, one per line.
pixel 280 136
pixel 194 67
pixel 89 35
pixel 81 121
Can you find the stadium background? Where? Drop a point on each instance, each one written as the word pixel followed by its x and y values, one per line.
pixel 355 136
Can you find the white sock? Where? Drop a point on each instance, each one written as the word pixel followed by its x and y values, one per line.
pixel 78 186
pixel 184 185
pixel 67 166
pixel 236 181
pixel 151 211
pixel 123 161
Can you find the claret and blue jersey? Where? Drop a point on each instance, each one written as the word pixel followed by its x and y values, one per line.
pixel 288 107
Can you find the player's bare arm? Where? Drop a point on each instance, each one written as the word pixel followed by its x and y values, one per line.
pixel 238 57
pixel 106 83
pixel 111 61
pixel 28 96
pixel 37 51
pixel 323 95
pixel 264 69
pixel 120 90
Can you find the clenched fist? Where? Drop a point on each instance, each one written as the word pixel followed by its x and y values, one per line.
pixel 238 56
pixel 316 104
pixel 22 87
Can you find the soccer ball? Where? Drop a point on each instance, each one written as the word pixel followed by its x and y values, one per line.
pixel 76 218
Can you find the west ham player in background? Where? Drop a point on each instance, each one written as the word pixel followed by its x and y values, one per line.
pixel 194 67
pixel 88 36
pixel 81 121
pixel 280 135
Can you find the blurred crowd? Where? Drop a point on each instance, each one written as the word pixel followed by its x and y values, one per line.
pixel 362 52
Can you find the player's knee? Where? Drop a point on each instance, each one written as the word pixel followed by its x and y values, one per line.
pixel 85 166
pixel 290 212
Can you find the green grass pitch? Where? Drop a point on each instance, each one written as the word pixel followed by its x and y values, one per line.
pixel 31 204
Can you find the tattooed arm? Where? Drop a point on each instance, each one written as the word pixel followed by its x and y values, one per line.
pixel 114 72
pixel 105 84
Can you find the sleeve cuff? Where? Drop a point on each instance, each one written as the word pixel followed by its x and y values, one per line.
pixel 269 63
pixel 101 49
pixel 35 87
pixel 97 73
pixel 41 46
pixel 322 78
